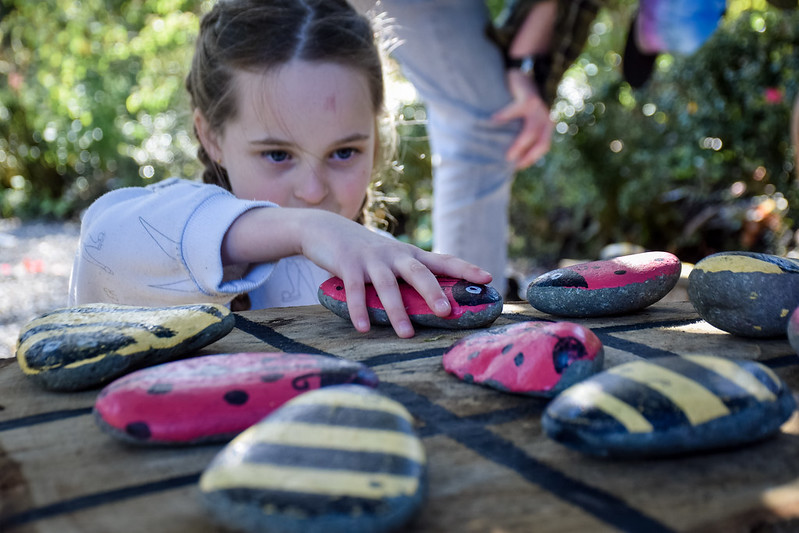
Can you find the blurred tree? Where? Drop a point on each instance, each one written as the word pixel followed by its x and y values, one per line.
pixel 91 98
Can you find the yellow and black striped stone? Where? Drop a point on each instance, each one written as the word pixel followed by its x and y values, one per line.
pixel 670 405
pixel 745 293
pixel 337 459
pixel 81 347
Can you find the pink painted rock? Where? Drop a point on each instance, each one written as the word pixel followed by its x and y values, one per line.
pixel 611 287
pixel 473 305
pixel 534 358
pixel 214 397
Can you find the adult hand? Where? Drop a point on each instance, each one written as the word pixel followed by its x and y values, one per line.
pixel 535 137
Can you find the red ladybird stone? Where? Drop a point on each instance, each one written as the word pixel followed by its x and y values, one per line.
pixel 473 305
pixel 534 358
pixel 215 397
pixel 611 287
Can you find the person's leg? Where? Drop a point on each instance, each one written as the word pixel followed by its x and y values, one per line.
pixel 459 74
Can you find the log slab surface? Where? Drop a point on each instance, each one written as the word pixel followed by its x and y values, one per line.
pixel 491 469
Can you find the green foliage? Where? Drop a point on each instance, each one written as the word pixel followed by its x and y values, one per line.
pixel 91 98
pixel 697 161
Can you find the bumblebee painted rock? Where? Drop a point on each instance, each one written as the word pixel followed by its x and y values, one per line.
pixel 337 459
pixel 668 406
pixel 535 358
pixel 745 293
pixel 215 397
pixel 610 287
pixel 473 305
pixel 82 347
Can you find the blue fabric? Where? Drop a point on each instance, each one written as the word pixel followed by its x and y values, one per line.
pixel 677 26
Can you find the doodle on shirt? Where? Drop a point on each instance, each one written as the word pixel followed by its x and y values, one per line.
pixel 89 251
pixel 164 243
pixel 171 248
pixel 298 274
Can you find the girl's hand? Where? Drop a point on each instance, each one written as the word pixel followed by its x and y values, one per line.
pixel 353 253
pixel 359 256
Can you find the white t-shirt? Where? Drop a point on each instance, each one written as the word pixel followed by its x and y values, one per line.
pixel 161 245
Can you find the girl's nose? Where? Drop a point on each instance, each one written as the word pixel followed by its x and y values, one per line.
pixel 311 186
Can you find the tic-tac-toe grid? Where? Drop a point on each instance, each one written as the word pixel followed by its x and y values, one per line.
pixel 490 466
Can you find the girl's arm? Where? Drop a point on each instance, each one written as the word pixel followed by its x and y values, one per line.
pixel 352 252
pixel 159 245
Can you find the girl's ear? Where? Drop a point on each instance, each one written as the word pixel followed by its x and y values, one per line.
pixel 208 138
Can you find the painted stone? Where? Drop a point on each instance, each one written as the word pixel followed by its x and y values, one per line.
pixel 338 459
pixel 215 397
pixel 745 293
pixel 611 287
pixel 86 346
pixel 473 305
pixel 668 406
pixel 793 330
pixel 534 358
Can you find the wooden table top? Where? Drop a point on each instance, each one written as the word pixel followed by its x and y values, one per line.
pixel 491 469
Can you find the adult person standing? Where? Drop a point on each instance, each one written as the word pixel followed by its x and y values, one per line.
pixel 487 96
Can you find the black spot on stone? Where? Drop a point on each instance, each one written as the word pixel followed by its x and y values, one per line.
pixel 468 378
pixel 561 278
pixel 160 388
pixel 470 294
pixel 620 272
pixel 236 397
pixel 473 355
pixel 339 288
pixel 519 359
pixel 138 430
pixel 271 378
pixel 566 351
pixel 506 348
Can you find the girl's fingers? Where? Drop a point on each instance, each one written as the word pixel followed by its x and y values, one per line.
pixel 418 276
pixel 356 304
pixel 448 265
pixel 385 284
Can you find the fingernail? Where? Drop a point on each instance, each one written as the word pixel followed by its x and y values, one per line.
pixel 362 325
pixel 442 306
pixel 404 329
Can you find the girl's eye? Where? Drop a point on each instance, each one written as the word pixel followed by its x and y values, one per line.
pixel 344 153
pixel 278 156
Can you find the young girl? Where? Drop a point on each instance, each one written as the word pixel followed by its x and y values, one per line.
pixel 286 97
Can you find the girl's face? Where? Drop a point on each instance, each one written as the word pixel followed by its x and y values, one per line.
pixel 304 136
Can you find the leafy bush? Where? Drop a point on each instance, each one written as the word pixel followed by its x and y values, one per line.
pixel 91 99
pixel 697 161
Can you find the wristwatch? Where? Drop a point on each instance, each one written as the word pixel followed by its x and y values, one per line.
pixel 525 64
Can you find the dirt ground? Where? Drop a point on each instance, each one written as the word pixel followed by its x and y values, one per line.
pixel 35 262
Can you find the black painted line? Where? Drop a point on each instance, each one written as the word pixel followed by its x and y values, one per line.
pixel 401 357
pixel 42 418
pixel 780 361
pixel 647 325
pixel 93 500
pixel 602 505
pixel 636 348
pixel 493 418
pixel 273 338
pixel 518 317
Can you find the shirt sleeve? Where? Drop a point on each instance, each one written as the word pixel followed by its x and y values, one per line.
pixel 160 245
